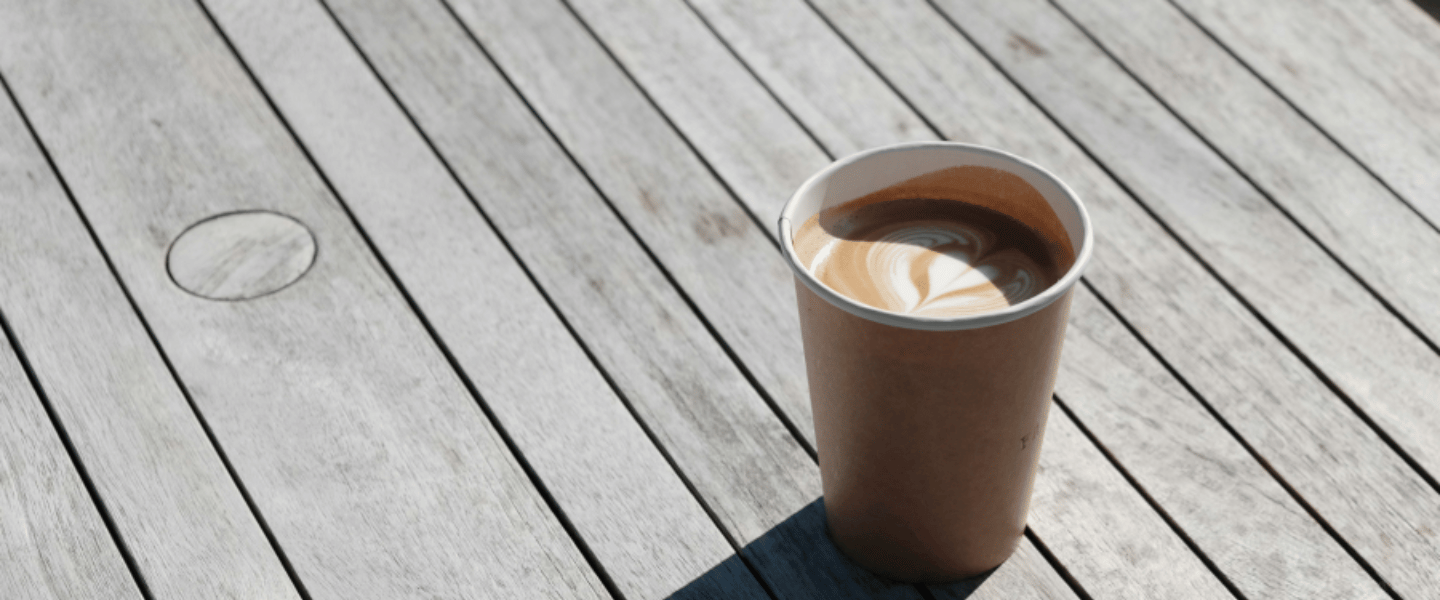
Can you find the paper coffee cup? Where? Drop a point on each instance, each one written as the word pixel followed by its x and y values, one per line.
pixel 928 428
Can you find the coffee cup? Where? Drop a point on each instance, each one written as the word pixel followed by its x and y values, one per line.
pixel 929 426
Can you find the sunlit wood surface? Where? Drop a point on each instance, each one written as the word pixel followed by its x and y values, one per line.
pixel 363 299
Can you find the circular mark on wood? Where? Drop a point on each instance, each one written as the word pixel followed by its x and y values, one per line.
pixel 240 255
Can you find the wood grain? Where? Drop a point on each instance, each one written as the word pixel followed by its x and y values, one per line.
pixel 716 105
pixel 1115 544
pixel 808 577
pixel 805 65
pixel 665 193
pixel 1364 71
pixel 168 492
pixel 240 255
pixel 634 512
pixel 1271 399
pixel 53 543
pixel 1376 235
pixel 1302 292
pixel 732 447
pixel 677 35
pixel 1224 499
pixel 375 469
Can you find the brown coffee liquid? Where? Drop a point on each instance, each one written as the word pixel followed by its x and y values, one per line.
pixel 929 257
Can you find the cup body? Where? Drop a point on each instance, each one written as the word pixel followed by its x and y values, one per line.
pixel 929 429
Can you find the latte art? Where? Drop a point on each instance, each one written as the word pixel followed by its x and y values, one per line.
pixel 934 258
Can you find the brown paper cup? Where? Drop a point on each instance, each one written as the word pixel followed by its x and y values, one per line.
pixel 929 429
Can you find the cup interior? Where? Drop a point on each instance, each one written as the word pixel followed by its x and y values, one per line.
pixel 873 170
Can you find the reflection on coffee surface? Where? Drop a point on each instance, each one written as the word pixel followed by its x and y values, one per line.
pixel 928 256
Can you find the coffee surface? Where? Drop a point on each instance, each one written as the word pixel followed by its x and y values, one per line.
pixel 934 257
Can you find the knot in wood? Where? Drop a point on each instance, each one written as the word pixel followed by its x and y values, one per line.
pixel 241 255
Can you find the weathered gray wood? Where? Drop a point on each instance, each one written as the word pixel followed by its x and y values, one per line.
pixel 713 250
pixel 378 474
pixel 803 46
pixel 1246 523
pixel 167 490
pixel 1366 72
pixel 1107 536
pixel 1383 241
pixel 1300 290
pixel 676 36
pixel 794 55
pixel 636 514
pixel 715 104
pixel 240 255
pixel 716 427
pixel 651 37
pixel 1312 439
pixel 53 543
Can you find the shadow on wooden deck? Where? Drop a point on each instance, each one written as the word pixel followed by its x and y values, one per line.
pixel 1430 6
pixel 798 561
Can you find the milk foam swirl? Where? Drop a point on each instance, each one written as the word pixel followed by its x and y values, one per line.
pixel 930 269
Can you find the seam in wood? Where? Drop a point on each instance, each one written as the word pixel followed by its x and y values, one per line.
pixel 534 281
pixel 1054 561
pixel 736 55
pixel 1204 264
pixel 609 380
pixel 1253 184
pixel 1255 454
pixel 534 478
pixel 922 589
pixel 876 70
pixel 1154 505
pixel 1304 115
pixel 648 99
pixel 744 370
pixel 160 350
pixel 1057 565
pixel 544 294
pixel 735 358
pixel 96 500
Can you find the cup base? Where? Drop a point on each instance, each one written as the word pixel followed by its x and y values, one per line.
pixel 903 561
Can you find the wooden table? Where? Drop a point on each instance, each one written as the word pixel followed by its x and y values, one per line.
pixel 353 299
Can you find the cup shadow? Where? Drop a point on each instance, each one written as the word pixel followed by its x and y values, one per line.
pixel 797 561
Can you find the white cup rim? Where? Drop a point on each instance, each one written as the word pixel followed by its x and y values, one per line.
pixel 1029 306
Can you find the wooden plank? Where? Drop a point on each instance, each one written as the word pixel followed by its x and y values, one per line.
pixel 1235 512
pixel 168 491
pixel 1347 473
pixel 1291 281
pixel 608 113
pixel 1140 536
pixel 793 54
pixel 746 120
pixel 53 543
pixel 664 192
pixel 803 45
pixel 1364 71
pixel 1300 290
pixel 1109 538
pixel 1377 236
pixel 378 474
pixel 633 510
pixel 716 427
